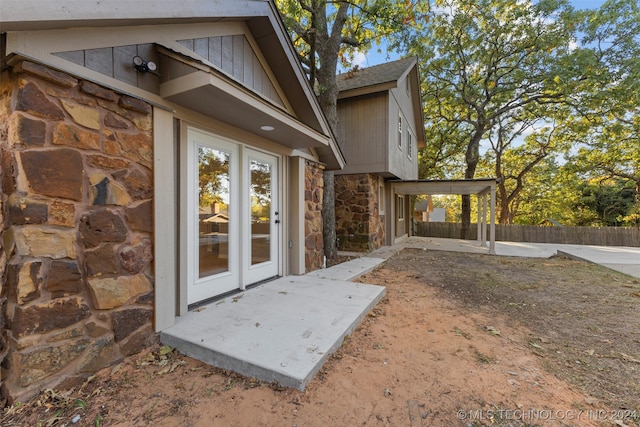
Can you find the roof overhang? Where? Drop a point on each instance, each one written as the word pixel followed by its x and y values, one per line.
pixel 26 15
pixel 367 90
pixel 453 186
pixel 309 126
pixel 215 96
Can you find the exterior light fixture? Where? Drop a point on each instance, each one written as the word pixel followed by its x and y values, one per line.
pixel 144 66
pixel 267 128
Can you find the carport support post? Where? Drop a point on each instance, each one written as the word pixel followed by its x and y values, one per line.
pixel 479 197
pixel 482 219
pixel 492 224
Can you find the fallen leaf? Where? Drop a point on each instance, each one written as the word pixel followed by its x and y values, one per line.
pixel 177 364
pixel 165 350
pixel 628 358
pixel 492 330
pixel 116 369
pixel 590 352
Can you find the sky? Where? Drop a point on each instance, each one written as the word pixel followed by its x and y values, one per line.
pixel 374 58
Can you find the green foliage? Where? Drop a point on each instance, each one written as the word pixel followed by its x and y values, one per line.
pixel 488 65
pixel 533 82
pixel 357 25
pixel 605 203
pixel 213 177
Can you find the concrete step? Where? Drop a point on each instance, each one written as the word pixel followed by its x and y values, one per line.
pixel 280 331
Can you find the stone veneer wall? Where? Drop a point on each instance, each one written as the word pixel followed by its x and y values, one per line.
pixel 4 343
pixel 359 226
pixel 313 192
pixel 77 224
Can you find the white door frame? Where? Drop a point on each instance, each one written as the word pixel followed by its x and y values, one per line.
pixel 240 272
pixel 261 271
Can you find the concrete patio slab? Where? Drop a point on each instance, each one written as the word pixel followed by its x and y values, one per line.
pixel 349 270
pixel 620 258
pixel 280 331
pixel 284 330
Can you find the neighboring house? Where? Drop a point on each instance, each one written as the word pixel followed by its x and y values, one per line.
pixel 122 125
pixel 380 130
pixel 423 211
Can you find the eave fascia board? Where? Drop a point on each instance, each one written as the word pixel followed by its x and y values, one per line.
pixel 366 90
pixel 24 15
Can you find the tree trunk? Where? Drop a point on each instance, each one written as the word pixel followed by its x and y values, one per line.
pixel 329 215
pixel 326 44
pixel 327 98
pixel 472 158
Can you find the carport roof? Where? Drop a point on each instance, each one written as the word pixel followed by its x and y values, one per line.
pixel 447 186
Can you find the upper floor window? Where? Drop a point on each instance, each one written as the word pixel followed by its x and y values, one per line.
pixel 409 145
pixel 399 131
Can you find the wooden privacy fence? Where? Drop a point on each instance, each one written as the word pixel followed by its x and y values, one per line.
pixel 601 236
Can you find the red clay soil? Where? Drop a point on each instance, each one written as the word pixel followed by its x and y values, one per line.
pixel 470 347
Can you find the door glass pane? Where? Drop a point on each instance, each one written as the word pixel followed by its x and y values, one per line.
pixel 260 211
pixel 213 211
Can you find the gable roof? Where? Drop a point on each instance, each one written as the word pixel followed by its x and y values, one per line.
pixel 385 77
pixel 374 77
pixel 260 17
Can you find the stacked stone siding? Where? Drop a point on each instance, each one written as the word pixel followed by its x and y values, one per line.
pixel 313 192
pixel 359 226
pixel 77 221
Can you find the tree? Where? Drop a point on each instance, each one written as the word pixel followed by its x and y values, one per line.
pixel 605 203
pixel 325 32
pixel 484 60
pixel 606 122
pixel 517 158
pixel 213 177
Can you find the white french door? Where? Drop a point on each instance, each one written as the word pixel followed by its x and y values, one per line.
pixel 232 215
pixel 261 218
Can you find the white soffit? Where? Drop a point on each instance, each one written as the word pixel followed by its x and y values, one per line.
pixel 216 97
pixel 463 186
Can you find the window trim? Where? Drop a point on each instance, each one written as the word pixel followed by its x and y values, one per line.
pixel 400 131
pixel 381 197
pixel 400 208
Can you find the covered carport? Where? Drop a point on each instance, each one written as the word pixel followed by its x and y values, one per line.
pixel 484 189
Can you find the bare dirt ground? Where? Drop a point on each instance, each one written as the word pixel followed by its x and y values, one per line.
pixel 459 340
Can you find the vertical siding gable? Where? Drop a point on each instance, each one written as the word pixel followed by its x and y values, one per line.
pixel 234 56
pixel 117 62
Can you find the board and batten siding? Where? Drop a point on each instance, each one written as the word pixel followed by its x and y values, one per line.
pixel 233 55
pixel 117 62
pixel 362 130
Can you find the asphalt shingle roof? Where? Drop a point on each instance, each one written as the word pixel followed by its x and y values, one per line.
pixel 371 76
